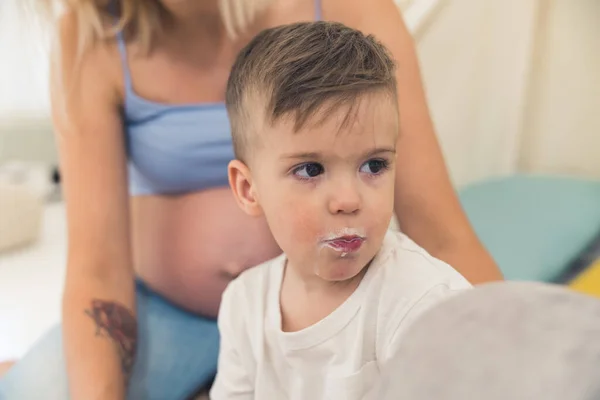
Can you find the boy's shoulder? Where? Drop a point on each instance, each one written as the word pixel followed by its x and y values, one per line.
pixel 252 286
pixel 410 282
pixel 261 272
pixel 408 266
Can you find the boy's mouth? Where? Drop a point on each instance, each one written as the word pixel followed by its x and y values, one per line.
pixel 345 244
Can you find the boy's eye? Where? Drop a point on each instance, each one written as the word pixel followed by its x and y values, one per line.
pixel 309 170
pixel 374 167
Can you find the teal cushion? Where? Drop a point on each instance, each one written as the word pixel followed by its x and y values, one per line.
pixel 534 225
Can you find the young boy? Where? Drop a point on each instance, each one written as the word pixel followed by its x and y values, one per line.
pixel 314 121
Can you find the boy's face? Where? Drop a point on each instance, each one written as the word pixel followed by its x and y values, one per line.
pixel 327 192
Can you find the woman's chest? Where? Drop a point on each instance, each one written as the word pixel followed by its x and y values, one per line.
pixel 196 70
pixel 164 78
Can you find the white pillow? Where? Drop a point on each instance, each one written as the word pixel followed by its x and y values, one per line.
pixel 20 216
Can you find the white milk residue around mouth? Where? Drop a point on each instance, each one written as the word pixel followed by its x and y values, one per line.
pixel 341 233
pixel 333 235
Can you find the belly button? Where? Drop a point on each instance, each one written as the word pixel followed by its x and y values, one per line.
pixel 230 271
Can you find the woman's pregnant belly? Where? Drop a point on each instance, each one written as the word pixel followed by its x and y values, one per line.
pixel 189 247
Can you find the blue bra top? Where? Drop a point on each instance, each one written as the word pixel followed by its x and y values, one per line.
pixel 175 148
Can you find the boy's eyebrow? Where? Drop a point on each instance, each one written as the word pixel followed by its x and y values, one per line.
pixel 316 155
pixel 380 150
pixel 301 156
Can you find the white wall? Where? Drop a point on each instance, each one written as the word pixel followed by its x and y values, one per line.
pixel 27 137
pixel 562 130
pixel 25 126
pixel 24 63
pixel 475 57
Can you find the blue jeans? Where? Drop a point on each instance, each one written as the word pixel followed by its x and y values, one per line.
pixel 177 355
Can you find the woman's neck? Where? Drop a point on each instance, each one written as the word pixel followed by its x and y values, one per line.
pixel 197 19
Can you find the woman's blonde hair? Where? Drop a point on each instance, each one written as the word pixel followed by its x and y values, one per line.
pixel 102 20
pixel 142 19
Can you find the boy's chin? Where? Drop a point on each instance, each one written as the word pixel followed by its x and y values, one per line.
pixel 343 269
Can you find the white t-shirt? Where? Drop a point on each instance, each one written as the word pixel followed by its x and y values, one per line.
pixel 340 356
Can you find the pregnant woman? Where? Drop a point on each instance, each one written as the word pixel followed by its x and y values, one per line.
pixel 154 232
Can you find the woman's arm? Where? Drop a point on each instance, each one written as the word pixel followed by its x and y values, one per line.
pixel 99 325
pixel 426 204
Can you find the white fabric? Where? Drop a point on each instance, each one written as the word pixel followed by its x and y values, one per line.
pixel 501 341
pixel 20 216
pixel 340 356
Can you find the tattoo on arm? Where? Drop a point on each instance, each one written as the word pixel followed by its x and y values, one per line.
pixel 116 322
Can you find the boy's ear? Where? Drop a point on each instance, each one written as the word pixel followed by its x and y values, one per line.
pixel 241 184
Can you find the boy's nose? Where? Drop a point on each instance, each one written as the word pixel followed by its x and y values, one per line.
pixel 345 199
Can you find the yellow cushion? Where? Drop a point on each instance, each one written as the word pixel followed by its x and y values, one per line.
pixel 588 281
